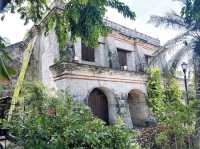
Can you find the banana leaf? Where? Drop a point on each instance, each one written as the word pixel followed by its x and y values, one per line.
pixel 5 71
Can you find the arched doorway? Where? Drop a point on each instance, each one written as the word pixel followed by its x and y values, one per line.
pixel 138 108
pixel 99 104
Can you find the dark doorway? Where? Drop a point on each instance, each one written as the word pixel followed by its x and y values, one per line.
pixel 99 105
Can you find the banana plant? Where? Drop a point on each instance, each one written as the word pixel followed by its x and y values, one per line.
pixel 5 70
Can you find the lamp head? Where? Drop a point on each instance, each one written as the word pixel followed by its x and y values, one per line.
pixel 184 66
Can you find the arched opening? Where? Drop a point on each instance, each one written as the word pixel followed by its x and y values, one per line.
pixel 138 108
pixel 98 103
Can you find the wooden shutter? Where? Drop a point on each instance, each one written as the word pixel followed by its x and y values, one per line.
pixel 88 54
pixel 122 54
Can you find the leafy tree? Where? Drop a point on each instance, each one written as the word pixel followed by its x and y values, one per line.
pixel 55 121
pixel 83 18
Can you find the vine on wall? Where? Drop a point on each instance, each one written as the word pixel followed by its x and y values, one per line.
pixel 155 92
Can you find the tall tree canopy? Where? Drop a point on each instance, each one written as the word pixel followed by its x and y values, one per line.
pixel 189 22
pixel 84 18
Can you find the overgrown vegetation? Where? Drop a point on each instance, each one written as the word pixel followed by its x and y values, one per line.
pixel 176 121
pixel 53 121
pixel 84 19
pixel 188 20
pixel 155 93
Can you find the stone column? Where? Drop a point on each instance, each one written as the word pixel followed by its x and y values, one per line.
pixel 124 111
pixel 112 53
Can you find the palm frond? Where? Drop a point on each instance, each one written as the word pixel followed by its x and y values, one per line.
pixel 158 56
pixel 170 46
pixel 176 59
pixel 169 67
pixel 170 20
pixel 182 1
pixel 179 39
pixel 2 43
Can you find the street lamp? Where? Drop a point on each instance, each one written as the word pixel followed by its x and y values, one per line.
pixel 184 68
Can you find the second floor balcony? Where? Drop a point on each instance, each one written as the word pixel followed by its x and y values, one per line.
pixel 73 70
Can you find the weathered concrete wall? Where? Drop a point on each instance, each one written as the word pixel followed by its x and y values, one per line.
pixel 80 80
pixel 48 54
pixel 140 113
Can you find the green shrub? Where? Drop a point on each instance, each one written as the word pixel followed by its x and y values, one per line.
pixel 54 121
pixel 171 91
pixel 176 121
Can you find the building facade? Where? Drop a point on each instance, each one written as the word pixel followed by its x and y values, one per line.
pixel 110 79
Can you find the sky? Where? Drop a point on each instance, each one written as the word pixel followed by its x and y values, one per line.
pixel 13 27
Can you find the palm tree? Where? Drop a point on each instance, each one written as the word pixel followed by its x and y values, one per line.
pixel 188 41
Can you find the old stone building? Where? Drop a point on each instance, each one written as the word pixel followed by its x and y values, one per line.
pixel 110 78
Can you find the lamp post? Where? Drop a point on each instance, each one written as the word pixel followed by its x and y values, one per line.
pixel 184 68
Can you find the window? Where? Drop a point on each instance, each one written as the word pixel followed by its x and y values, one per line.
pixel 122 54
pixel 147 58
pixel 88 54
